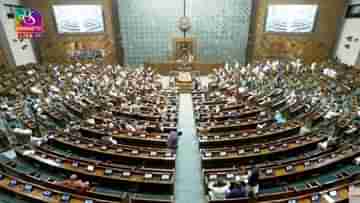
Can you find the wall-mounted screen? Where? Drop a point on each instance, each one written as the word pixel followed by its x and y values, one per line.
pixel 79 18
pixel 294 18
pixel 353 11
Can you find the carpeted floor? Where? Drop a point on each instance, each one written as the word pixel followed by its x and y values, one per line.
pixel 189 183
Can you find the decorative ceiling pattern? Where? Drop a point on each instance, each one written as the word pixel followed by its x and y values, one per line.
pixel 220 28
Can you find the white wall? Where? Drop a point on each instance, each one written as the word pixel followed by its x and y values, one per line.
pixel 21 56
pixel 351 28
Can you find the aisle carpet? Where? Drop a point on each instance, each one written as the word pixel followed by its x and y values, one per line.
pixel 189 183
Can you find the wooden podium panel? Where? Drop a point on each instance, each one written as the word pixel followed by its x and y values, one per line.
pixel 166 68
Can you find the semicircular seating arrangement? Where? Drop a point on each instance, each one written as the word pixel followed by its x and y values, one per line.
pixel 90 133
pixel 106 126
pixel 295 123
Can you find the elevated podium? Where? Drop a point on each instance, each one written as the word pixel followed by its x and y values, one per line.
pixel 195 67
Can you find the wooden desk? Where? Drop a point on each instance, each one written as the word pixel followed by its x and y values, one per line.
pixel 120 154
pixel 156 182
pixel 37 192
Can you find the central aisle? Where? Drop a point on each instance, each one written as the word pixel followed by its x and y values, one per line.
pixel 189 183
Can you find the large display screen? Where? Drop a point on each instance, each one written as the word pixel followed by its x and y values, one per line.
pixel 292 18
pixel 79 18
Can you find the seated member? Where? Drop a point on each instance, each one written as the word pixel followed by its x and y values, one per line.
pixel 75 183
pixel 218 189
pixel 237 190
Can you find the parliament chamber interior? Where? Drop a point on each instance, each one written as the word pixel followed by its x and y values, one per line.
pixel 180 101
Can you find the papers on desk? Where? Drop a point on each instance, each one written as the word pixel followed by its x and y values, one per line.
pixel 90 168
pixel 357 160
pixel 208 154
pixel 148 176
pixel 222 153
pixel 28 152
pixel 153 153
pixel 165 177
pixel 230 176
pixel 91 121
pixel 241 151
pixel 289 168
pixel 213 177
pixel 315 197
pixel 269 171
pixel 135 151
pixel 75 164
pixel 126 173
pixel 329 199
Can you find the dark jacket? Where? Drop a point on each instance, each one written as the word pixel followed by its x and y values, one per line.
pixel 236 192
pixel 254 177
